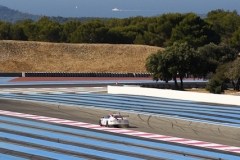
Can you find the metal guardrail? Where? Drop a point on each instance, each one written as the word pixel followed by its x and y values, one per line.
pixel 73 74
pixel 13 74
pixel 171 85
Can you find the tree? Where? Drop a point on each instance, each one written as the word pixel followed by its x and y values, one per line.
pixel 17 32
pixel 68 29
pixel 164 26
pixel 225 23
pixel 5 28
pixel 93 31
pixel 212 55
pixel 48 31
pixel 217 83
pixel 112 23
pixel 155 64
pixel 175 61
pixel 30 30
pixel 195 31
pixel 139 39
pixel 115 36
pixel 233 73
pixel 152 39
pixel 235 39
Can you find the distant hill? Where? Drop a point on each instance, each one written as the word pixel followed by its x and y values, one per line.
pixel 203 16
pixel 10 15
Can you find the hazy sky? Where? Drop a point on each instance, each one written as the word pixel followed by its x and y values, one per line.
pixel 125 8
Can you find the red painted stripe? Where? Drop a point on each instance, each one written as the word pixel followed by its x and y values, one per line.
pixel 198 143
pixel 160 137
pixel 79 125
pixel 144 134
pixel 82 124
pixel 67 122
pixel 129 132
pixel 220 146
pixel 112 129
pixel 97 127
pixel 180 140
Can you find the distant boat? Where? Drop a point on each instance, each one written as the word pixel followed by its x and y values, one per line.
pixel 115 9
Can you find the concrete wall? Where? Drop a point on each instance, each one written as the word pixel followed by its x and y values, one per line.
pixel 182 95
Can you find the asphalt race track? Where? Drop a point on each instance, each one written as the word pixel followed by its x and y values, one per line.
pixel 194 130
pixel 157 125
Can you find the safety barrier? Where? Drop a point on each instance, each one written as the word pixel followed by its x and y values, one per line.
pixel 3 74
pixel 84 74
pixel 73 74
pixel 171 85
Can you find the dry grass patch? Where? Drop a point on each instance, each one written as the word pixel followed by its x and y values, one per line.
pixel 18 56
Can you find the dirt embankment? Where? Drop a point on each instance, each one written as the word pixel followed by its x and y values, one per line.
pixel 22 56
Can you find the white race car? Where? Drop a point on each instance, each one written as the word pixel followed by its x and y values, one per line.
pixel 114 120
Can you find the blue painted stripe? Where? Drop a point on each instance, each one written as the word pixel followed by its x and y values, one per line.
pixel 119 138
pixel 66 147
pixel 97 143
pixel 10 157
pixel 173 102
pixel 114 105
pixel 6 79
pixel 148 100
pixel 38 152
pixel 162 103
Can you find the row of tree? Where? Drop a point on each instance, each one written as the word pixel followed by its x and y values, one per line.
pixel 216 62
pixel 218 27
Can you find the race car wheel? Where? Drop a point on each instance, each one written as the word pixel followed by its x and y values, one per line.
pixel 107 124
pixel 100 123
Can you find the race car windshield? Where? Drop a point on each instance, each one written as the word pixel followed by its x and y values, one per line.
pixel 117 116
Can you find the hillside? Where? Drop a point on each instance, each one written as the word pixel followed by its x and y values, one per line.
pixel 12 16
pixel 19 56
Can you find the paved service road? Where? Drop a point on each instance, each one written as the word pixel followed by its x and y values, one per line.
pixel 150 124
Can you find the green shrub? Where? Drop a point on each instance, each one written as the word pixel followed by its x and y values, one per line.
pixel 216 86
pixel 218 90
